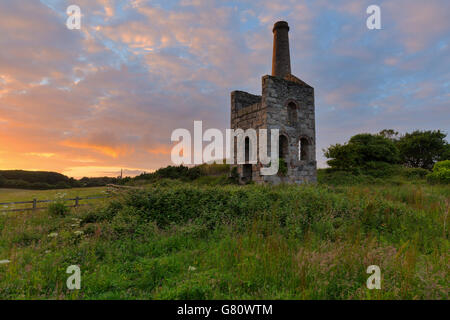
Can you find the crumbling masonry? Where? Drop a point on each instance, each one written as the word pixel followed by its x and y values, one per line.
pixel 287 104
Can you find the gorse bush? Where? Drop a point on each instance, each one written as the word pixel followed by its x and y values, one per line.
pixel 441 172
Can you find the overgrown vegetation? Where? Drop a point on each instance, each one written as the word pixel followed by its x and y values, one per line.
pixel 203 174
pixel 58 208
pixel 178 240
pixel 441 172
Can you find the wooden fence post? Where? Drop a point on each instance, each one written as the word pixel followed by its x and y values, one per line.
pixel 34 204
pixel 76 201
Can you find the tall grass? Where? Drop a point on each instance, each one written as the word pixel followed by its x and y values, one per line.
pixel 178 240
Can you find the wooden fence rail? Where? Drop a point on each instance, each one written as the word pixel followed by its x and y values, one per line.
pixel 34 203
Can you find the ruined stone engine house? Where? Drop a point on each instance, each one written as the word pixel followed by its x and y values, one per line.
pixel 287 104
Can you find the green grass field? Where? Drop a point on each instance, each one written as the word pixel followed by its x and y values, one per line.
pixel 178 240
pixel 15 195
pixel 11 195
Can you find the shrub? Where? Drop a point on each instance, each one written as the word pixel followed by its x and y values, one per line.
pixel 415 173
pixel 379 169
pixel 441 173
pixel 58 208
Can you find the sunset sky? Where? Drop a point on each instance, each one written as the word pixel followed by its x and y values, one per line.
pixel 92 101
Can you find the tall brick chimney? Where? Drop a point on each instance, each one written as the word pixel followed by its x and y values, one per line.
pixel 281 61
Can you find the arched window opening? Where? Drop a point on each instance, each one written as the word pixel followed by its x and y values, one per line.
pixel 283 146
pixel 292 114
pixel 304 149
pixel 247 168
pixel 247 149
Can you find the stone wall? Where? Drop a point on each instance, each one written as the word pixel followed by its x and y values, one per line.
pixel 270 111
pixel 246 113
pixel 277 93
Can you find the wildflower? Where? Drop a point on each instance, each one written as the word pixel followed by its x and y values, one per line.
pixel 4 261
pixel 191 268
pixel 53 234
pixel 79 232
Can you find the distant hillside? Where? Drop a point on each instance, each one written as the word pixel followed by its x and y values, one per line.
pixel 23 179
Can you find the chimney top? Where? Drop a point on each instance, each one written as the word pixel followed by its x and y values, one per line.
pixel 280 25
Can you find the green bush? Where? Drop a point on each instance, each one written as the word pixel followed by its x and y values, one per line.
pixel 58 208
pixel 441 173
pixel 330 176
pixel 415 173
pixel 320 209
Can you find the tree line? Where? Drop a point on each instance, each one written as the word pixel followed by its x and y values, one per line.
pixel 22 179
pixel 368 152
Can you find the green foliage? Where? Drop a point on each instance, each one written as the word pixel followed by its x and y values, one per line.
pixel 389 134
pixel 58 208
pixel 178 240
pixel 339 177
pixel 441 165
pixel 377 156
pixel 283 168
pixel 446 153
pixel 421 149
pixel 99 181
pixel 214 169
pixel 362 150
pixel 213 180
pixel 417 173
pixel 173 172
pixel 441 172
pixel 234 175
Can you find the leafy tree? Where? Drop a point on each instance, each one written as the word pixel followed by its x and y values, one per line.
pixel 421 149
pixel 446 153
pixel 389 133
pixel 362 150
